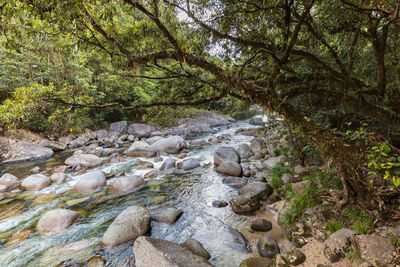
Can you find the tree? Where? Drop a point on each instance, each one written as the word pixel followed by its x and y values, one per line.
pixel 328 67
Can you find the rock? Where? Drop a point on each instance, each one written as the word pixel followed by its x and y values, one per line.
pixel 141 130
pixel 141 153
pixel 188 164
pixel 387 231
pixel 35 182
pixel 229 168
pixel 300 170
pixel 257 145
pixel 55 221
pixel 181 155
pixel 167 215
pixel 244 204
pixel 145 165
pixel 61 168
pixel 298 187
pixel 78 142
pixel 196 248
pixel 376 250
pixel 168 164
pixel 85 160
pixel 97 262
pixel 131 138
pixel 257 262
pixel 294 258
pixel 18 237
pixel 79 251
pixel 258 190
pixel 256 121
pixel 220 203
pixel 101 135
pixel 153 139
pixel 58 177
pixel 197 143
pixel 335 245
pixel 35 169
pixel 8 179
pixel 53 145
pixel 171 145
pixel 245 151
pixel 127 183
pixel 119 127
pixel 235 182
pixel 139 145
pixel 90 182
pixel 44 198
pixel 150 252
pixel 260 224
pixel 3 188
pixel 271 162
pixel 152 174
pixel 287 178
pixel 225 154
pixel 16 151
pixel 129 225
pixel 267 247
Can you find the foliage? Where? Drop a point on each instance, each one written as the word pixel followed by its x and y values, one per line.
pixel 275 174
pixel 334 225
pixel 359 220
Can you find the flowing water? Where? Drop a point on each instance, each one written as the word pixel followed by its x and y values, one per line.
pixel 193 192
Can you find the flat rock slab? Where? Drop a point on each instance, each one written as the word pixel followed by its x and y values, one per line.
pixel 151 252
pixel 90 182
pixel 15 151
pixel 166 214
pixel 55 221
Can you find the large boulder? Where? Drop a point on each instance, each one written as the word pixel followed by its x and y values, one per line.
pixel 225 154
pixel 90 182
pixel 188 164
pixel 267 247
pixel 259 190
pixel 172 144
pixel 167 215
pixel 150 252
pixel 139 145
pixel 257 145
pixel 196 248
pixel 244 204
pixel 58 177
pixel 35 182
pixel 127 183
pixel 245 152
pixel 271 162
pixel 141 130
pixel 336 244
pixel 119 127
pixel 85 160
pixel 15 151
pixel 8 179
pixel 376 250
pixel 55 221
pixel 229 168
pixel 256 121
pixel 168 164
pixel 133 222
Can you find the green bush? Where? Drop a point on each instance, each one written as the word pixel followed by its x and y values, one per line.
pixel 275 174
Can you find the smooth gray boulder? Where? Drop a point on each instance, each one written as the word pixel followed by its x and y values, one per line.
pixel 188 164
pixel 171 145
pixel 197 143
pixel 256 121
pixel 168 164
pixel 271 162
pixel 196 248
pixel 133 222
pixel 229 168
pixel 90 182
pixel 58 177
pixel 245 152
pixel 225 154
pixel 119 127
pixel 259 190
pixel 153 139
pixel 167 215
pixel 8 179
pixel 85 160
pixel 127 183
pixel 141 130
pixel 257 145
pixel 55 221
pixel 35 182
pixel 151 252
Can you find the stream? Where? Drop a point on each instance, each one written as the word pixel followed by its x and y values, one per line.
pixel 193 192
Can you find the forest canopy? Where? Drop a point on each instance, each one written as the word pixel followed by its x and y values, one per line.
pixel 330 68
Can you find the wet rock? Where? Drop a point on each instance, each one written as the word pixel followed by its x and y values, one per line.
pixel 96 262
pixel 271 162
pixel 79 251
pixel 229 168
pixel 150 252
pixel 171 145
pixel 141 153
pixel 235 182
pixel 158 159
pixel 225 154
pixel 267 247
pixel 167 215
pixel 335 245
pixel 59 169
pixel 181 156
pixel 129 225
pixel 256 121
pixel 188 164
pixel 287 178
pixel 258 190
pixel 244 204
pixel 245 151
pixel 35 170
pixel 18 237
pixel 55 221
pixel 58 177
pixel 44 198
pixel 376 250
pixel 152 174
pixel 127 183
pixel 3 188
pixel 220 203
pixel 298 187
pixel 35 182
pixel 197 143
pixel 141 130
pixel 168 164
pixel 257 262
pixel 85 160
pixel 260 224
pixel 15 151
pixel 119 128
pixel 11 209
pixel 90 182
pixel 145 165
pixel 196 248
pixel 8 179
